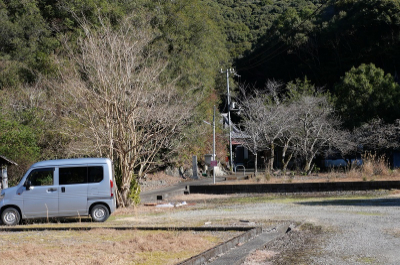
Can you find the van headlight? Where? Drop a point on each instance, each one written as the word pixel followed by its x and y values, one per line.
pixel 2 194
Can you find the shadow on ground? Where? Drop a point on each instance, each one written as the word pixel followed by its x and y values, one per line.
pixel 385 202
pixel 54 220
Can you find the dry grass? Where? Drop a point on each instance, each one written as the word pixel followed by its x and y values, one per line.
pixel 103 246
pixel 374 168
pixel 375 165
pixel 333 176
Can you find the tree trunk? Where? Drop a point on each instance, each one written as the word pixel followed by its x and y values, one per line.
pixel 307 167
pixel 126 175
pixel 266 161
pixel 285 163
pixel 271 160
pixel 255 163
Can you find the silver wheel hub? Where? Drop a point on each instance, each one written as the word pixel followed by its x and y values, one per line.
pixel 99 213
pixel 10 217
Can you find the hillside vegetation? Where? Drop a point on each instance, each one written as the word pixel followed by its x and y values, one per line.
pixel 119 78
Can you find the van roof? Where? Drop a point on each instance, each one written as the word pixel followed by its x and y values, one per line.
pixel 72 161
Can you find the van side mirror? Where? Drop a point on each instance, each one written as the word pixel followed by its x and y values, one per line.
pixel 28 185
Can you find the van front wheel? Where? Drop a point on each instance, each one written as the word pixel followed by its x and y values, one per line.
pixel 10 216
pixel 99 213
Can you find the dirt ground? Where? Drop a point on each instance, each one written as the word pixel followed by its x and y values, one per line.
pixel 105 246
pixel 158 180
pixel 108 246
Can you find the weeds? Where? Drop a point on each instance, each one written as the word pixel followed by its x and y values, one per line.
pixel 373 167
pixel 267 175
pixel 106 246
pixel 353 173
pixel 259 178
pixel 291 178
pixel 365 178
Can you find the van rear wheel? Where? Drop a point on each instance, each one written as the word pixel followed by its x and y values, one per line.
pixel 10 216
pixel 99 213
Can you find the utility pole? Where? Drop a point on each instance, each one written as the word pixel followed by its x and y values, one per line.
pixel 213 154
pixel 229 114
pixel 214 144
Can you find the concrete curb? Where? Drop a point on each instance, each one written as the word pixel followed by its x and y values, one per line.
pixel 236 250
pixel 295 187
pixel 222 248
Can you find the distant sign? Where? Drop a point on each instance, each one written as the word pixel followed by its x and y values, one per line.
pixel 213 163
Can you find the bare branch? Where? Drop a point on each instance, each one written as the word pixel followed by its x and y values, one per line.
pixel 116 103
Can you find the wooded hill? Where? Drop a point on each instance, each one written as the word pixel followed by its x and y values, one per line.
pixel 348 47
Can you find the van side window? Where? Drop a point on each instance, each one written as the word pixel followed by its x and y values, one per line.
pixel 72 175
pixel 95 174
pixel 41 177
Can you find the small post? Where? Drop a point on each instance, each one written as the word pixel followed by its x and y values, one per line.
pixel 4 178
pixel 194 167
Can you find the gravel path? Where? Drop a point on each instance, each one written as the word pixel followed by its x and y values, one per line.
pixel 343 230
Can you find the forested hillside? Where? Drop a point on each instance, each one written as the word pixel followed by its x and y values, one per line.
pixel 322 41
pixel 89 77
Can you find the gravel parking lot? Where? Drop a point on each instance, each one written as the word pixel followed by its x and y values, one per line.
pixel 340 229
pixel 331 228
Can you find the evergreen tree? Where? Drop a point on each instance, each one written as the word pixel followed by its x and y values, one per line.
pixel 365 93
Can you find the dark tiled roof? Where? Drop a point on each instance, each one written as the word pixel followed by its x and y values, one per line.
pixel 5 161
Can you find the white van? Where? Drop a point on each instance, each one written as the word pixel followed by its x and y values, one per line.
pixel 61 188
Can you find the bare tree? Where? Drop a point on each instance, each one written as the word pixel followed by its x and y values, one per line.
pixel 117 103
pixel 279 126
pixel 254 116
pixel 274 89
pixel 317 130
pixel 251 139
pixel 287 136
pixel 266 120
pixel 303 125
pixel 376 135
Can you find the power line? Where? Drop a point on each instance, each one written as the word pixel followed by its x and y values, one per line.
pixel 282 47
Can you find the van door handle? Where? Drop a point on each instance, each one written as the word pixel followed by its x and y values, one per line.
pixel 62 189
pixel 52 189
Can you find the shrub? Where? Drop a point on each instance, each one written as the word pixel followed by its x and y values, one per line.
pixel 374 165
